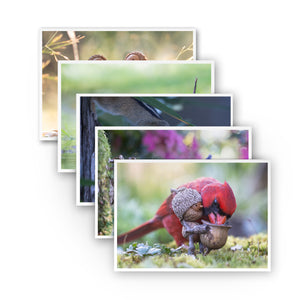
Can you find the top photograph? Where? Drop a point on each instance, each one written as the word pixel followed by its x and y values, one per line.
pixel 74 44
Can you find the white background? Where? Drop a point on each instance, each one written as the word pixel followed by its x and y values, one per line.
pixel 48 250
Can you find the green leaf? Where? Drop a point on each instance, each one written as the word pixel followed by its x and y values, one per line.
pixel 164 108
pixel 86 182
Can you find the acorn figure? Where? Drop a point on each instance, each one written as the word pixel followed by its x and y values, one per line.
pixel 187 206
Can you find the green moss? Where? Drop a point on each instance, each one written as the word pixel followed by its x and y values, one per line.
pixel 105 210
pixel 251 252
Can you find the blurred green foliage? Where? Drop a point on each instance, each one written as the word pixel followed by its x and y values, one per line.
pixel 142 187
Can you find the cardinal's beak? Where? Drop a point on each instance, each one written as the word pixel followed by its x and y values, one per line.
pixel 215 218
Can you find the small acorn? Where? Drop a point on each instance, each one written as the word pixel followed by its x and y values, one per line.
pixel 97 57
pixel 136 55
pixel 216 238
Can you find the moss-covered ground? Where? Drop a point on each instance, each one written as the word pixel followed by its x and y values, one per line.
pixel 251 252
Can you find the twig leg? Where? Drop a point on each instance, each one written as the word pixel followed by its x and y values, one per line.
pixel 203 250
pixel 191 250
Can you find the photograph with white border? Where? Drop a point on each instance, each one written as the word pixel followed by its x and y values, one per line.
pixel 137 110
pixel 107 77
pixel 114 143
pixel 216 215
pixel 80 43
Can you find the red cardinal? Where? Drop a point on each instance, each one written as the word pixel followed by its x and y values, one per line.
pixel 218 205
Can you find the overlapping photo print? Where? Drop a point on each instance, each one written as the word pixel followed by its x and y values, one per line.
pixel 137 110
pixel 192 215
pixel 107 77
pixel 112 143
pixel 78 44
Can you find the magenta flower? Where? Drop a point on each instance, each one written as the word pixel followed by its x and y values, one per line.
pixel 169 144
pixel 244 153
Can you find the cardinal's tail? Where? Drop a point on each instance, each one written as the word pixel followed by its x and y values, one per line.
pixel 140 231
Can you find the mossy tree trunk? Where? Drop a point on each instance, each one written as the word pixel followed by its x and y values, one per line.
pixel 105 186
pixel 87 150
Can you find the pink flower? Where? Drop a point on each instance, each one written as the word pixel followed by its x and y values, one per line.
pixel 244 153
pixel 169 144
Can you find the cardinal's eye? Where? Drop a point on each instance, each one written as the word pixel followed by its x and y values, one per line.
pixel 215 201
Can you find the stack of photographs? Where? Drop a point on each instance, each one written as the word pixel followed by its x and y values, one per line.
pixel 154 149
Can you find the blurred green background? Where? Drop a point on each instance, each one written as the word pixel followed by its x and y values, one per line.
pixel 114 45
pixel 142 187
pixel 127 77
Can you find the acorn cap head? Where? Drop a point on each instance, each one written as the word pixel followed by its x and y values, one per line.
pixel 97 57
pixel 183 200
pixel 136 55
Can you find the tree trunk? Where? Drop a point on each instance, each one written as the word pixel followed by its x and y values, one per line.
pixel 88 121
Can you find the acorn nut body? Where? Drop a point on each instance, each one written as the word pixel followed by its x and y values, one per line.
pixel 216 237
